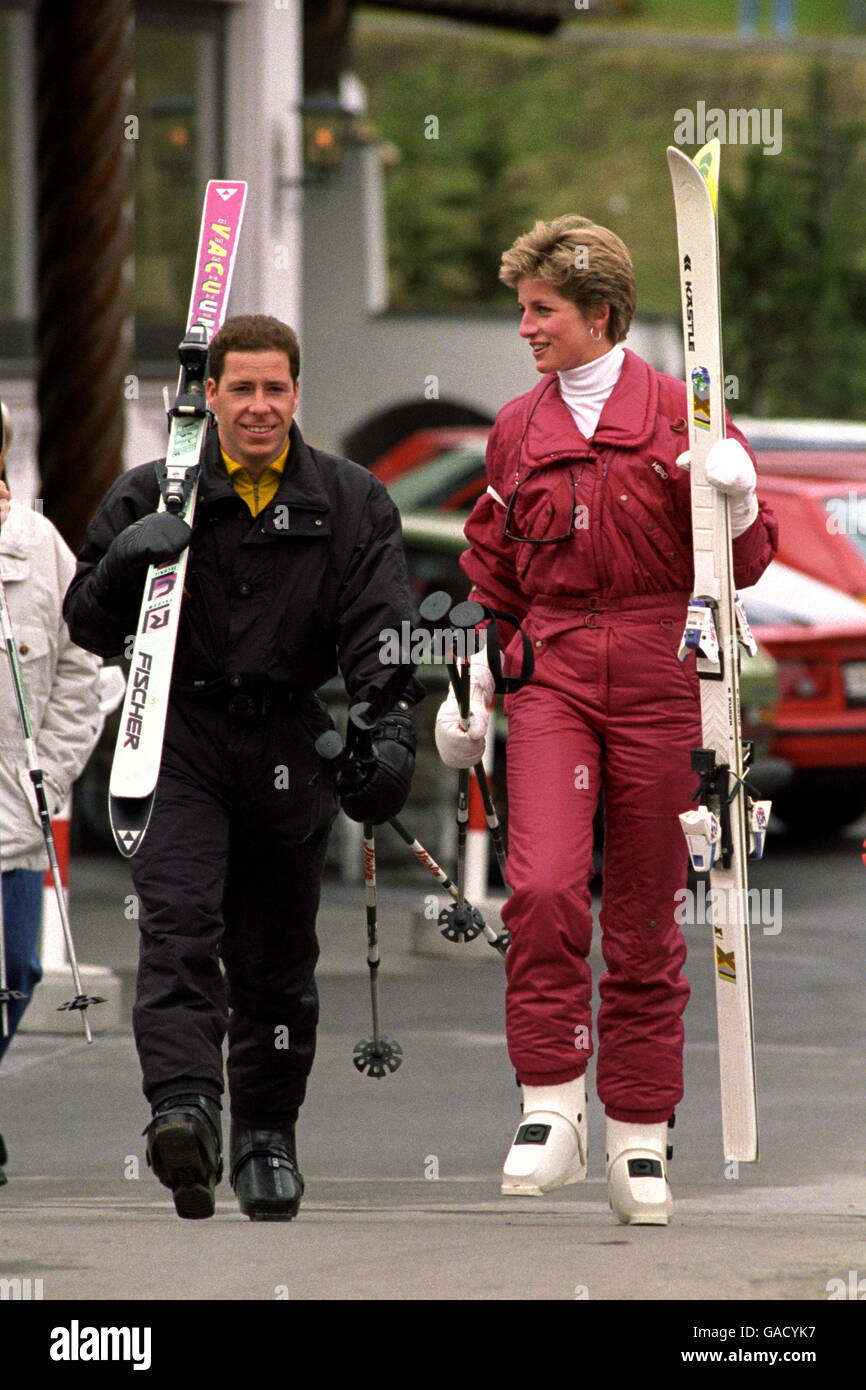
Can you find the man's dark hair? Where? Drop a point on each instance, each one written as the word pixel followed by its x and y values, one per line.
pixel 253 333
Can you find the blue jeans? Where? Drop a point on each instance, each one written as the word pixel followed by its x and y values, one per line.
pixel 22 918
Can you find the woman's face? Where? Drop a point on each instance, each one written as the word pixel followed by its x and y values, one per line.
pixel 556 330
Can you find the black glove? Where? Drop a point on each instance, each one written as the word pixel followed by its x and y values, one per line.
pixel 150 541
pixel 375 789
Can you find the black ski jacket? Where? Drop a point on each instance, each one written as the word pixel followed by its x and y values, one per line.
pixel 280 599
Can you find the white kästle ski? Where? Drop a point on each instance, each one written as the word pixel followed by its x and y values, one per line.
pixel 726 825
pixel 138 751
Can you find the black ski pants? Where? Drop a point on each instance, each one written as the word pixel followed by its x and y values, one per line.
pixel 229 878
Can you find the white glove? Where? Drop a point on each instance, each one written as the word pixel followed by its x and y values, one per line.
pixel 459 747
pixel 730 471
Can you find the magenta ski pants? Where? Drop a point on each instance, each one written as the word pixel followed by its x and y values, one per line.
pixel 610 710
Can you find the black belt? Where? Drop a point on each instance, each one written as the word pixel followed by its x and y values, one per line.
pixel 245 698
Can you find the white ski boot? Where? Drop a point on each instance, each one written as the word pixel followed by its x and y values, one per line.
pixel 549 1148
pixel 636 1166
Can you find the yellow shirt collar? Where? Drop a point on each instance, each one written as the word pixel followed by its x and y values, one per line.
pixel 256 493
pixel 278 465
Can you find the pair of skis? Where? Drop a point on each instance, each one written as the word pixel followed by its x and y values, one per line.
pixel 138 752
pixel 729 826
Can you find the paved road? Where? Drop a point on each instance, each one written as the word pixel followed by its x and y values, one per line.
pixel 402 1174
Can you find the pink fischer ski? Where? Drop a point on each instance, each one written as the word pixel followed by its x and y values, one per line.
pixel 138 752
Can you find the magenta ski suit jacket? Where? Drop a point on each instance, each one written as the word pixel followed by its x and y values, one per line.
pixel 632 533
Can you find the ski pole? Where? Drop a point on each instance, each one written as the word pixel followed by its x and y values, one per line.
pixel 466 616
pixel 458 927
pixel 378 1054
pixel 81 1001
pixel 374 1056
pixel 330 746
pixel 458 910
pixel 500 942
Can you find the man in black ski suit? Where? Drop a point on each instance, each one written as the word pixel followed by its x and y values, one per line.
pixel 296 565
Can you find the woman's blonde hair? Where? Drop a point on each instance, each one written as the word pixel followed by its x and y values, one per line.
pixel 581 261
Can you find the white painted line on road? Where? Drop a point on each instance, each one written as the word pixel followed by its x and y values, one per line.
pixel 840 1197
pixel 763 1208
pixel 22 1064
pixel 456 1035
pixel 785 1049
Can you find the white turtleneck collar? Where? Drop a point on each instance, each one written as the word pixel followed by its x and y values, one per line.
pixel 585 389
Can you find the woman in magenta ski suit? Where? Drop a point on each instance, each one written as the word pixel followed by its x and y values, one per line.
pixel 584 534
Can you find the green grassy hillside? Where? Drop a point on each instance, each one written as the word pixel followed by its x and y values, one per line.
pixel 813 17
pixel 531 127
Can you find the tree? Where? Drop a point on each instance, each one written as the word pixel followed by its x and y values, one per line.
pixel 793 277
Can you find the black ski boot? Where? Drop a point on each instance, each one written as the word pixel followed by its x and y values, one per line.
pixel 264 1172
pixel 183 1149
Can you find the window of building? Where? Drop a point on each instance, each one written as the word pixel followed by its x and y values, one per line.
pixel 178 106
pixel 179 102
pixel 17 179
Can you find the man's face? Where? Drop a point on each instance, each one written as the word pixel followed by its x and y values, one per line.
pixel 254 403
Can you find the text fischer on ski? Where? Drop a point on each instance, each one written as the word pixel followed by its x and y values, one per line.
pixel 296 565
pixel 584 533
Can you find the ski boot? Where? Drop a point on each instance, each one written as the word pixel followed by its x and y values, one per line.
pixel 637 1185
pixel 183 1149
pixel 264 1171
pixel 549 1148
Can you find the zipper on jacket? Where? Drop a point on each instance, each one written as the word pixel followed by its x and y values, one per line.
pixel 598 551
pixel 607 578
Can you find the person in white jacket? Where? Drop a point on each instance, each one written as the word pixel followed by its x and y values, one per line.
pixel 61 688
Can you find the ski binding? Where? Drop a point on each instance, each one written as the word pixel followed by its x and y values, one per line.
pixel 703 834
pixel 701 636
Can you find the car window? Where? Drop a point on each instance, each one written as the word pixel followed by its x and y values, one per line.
pixel 433 484
pixel 791 443
pixel 846 515
pixel 763 613
pixel 805 435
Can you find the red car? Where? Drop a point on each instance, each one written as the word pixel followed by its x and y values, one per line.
pixel 817 637
pixel 822 525
pixel 813 474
